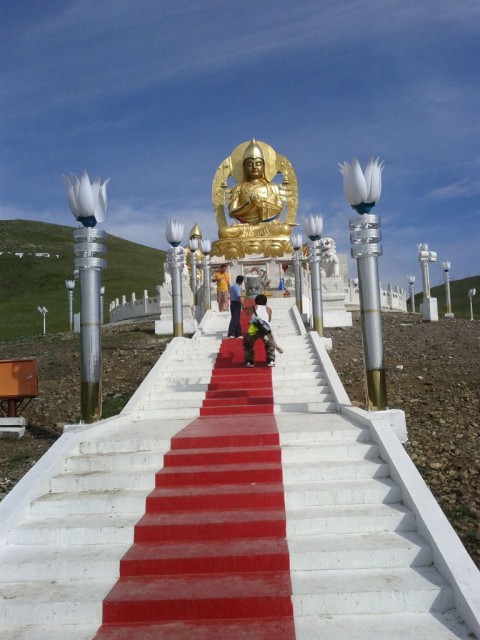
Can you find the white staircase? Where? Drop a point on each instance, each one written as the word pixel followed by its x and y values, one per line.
pixel 360 564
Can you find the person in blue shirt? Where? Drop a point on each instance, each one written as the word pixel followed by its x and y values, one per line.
pixel 236 306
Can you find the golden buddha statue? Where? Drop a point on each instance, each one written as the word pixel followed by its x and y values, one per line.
pixel 254 202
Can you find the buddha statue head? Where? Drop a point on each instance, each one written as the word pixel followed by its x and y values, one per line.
pixel 253 162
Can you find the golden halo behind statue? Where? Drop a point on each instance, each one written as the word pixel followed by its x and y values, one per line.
pixel 269 156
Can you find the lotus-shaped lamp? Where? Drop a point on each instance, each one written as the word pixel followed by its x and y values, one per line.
pixel 313 226
pixel 193 244
pixel 174 232
pixel 296 241
pixel 362 190
pixel 87 201
pixel 446 265
pixel 205 247
pixel 411 279
pixel 70 284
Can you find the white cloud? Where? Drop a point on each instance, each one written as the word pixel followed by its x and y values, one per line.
pixel 461 189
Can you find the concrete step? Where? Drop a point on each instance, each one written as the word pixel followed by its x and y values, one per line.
pixel 236 399
pixel 308 434
pixel 292 388
pixel 370 591
pixel 343 492
pixel 124 443
pixel 56 603
pixel 205 556
pixel 225 455
pixel 85 529
pixel 292 369
pixel 329 451
pixel 73 562
pixel 187 597
pixel 246 628
pixel 140 478
pixel 90 502
pixel 233 473
pixel 306 407
pixel 87 463
pixel 292 373
pixel 362 551
pixel 173 387
pixel 218 524
pixel 335 470
pixel 59 632
pixel 211 498
pixel 345 519
pixel 318 383
pixel 237 410
pixel 309 395
pixel 394 626
pixel 180 413
pixel 167 402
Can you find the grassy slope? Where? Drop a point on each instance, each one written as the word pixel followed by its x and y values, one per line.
pixel 459 298
pixel 30 281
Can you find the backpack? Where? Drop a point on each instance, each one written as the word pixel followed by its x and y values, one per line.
pixel 262 327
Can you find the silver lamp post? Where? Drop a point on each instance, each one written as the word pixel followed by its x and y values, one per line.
pixel 313 226
pixel 411 288
pixel 205 248
pixel 296 242
pixel 88 203
pixel 193 246
pixel 446 266
pixel 70 285
pixel 175 257
pixel 362 191
pixel 43 311
pixel 471 293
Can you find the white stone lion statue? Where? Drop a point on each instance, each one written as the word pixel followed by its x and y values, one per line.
pixel 329 260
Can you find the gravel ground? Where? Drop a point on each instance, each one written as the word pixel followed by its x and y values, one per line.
pixel 432 374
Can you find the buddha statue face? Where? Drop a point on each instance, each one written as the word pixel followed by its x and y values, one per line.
pixel 254 168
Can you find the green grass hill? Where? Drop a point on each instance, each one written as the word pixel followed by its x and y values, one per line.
pixel 458 295
pixel 29 280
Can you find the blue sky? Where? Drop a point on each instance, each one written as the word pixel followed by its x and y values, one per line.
pixel 155 94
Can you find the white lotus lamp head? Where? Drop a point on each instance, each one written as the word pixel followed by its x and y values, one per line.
pixel 174 232
pixel 296 241
pixel 313 226
pixel 193 244
pixel 87 201
pixel 446 265
pixel 205 247
pixel 362 190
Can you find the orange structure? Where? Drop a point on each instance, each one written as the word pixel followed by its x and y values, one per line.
pixel 18 381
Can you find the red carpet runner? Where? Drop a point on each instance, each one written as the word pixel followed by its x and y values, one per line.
pixel 210 559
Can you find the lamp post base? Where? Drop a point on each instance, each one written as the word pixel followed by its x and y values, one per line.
pixel 376 389
pixel 91 401
pixel 318 326
pixel 429 310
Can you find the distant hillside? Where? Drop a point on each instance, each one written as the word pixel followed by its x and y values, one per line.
pixel 36 275
pixel 459 298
